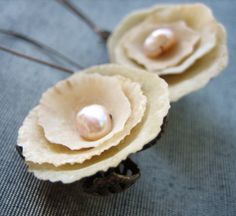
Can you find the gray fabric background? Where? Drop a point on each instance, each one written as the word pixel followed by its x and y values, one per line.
pixel 192 170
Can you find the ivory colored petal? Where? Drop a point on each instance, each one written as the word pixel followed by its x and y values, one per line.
pixel 60 104
pixel 37 149
pixel 198 17
pixel 156 91
pixel 134 39
pixel 202 71
pixel 205 45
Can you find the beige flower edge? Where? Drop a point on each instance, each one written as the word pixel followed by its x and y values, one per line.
pixel 156 91
pixel 196 76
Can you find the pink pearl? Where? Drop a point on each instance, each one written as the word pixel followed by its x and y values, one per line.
pixel 93 122
pixel 158 42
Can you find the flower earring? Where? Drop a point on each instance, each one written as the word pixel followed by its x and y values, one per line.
pixel 86 126
pixel 57 138
pixel 184 44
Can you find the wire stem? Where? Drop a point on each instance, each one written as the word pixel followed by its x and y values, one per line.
pixel 39 45
pixel 31 58
pixel 103 34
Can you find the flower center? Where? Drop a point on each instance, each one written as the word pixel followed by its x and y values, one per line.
pixel 158 42
pixel 93 122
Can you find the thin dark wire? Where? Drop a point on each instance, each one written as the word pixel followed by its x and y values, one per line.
pixel 103 34
pixel 39 45
pixel 19 54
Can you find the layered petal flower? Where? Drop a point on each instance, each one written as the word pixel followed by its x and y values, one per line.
pixel 52 145
pixel 200 52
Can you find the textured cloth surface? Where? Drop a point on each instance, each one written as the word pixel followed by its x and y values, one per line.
pixel 192 170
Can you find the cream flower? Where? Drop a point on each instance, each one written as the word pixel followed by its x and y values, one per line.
pixel 184 44
pixel 135 101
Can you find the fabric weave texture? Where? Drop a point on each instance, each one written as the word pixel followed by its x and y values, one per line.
pixel 191 170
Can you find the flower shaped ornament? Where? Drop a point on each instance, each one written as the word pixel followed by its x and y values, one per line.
pixel 184 44
pixel 92 121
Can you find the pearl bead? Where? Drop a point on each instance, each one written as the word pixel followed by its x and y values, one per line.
pixel 158 42
pixel 93 122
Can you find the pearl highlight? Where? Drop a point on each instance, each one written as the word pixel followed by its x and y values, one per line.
pixel 93 122
pixel 158 42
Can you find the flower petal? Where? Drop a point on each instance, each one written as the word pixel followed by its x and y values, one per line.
pixel 37 149
pixel 60 104
pixel 156 91
pixel 202 72
pixel 133 40
pixel 200 18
